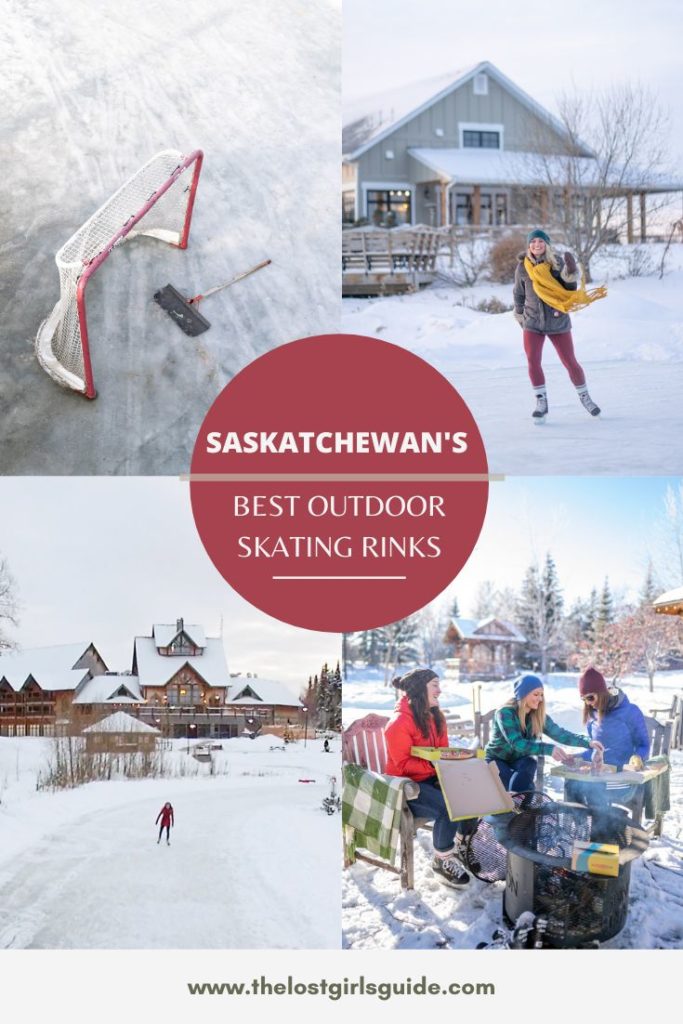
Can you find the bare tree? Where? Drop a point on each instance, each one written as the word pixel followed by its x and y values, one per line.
pixel 8 603
pixel 615 149
pixel 668 539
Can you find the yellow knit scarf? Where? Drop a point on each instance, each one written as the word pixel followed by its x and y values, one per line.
pixel 550 291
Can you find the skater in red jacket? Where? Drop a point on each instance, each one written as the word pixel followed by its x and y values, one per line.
pixel 165 815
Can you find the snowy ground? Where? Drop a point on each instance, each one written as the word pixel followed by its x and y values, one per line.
pixel 254 861
pixel 91 91
pixel 631 347
pixel 376 914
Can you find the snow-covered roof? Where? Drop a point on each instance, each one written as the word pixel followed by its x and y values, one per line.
pixel 368 120
pixel 505 167
pixel 268 691
pixel 101 689
pixel 156 669
pixel 671 597
pixel 476 629
pixel 121 722
pixel 164 634
pixel 51 667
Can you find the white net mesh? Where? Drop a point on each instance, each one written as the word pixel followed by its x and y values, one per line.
pixel 59 345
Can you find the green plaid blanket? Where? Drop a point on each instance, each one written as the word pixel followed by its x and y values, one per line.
pixel 371 809
pixel 657 796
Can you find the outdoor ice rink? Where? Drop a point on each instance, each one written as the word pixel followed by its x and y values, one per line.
pixel 91 91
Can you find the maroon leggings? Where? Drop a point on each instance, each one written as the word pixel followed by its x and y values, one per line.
pixel 533 346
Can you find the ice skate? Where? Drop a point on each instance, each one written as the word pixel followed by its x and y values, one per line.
pixel 588 403
pixel 541 410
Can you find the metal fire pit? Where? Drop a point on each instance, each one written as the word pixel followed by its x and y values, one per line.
pixel 579 908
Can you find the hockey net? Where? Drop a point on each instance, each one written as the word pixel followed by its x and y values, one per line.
pixel 157 201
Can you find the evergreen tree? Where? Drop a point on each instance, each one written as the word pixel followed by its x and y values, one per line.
pixel 649 589
pixel 592 613
pixel 605 610
pixel 371 647
pixel 540 612
pixel 455 608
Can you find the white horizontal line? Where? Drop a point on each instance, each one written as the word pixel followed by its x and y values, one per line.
pixel 340 577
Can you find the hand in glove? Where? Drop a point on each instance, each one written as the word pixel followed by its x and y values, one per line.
pixel 519 317
pixel 570 263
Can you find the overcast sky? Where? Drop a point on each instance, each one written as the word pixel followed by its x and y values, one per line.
pixel 545 49
pixel 102 559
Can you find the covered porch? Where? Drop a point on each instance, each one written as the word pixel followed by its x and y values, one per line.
pixel 492 189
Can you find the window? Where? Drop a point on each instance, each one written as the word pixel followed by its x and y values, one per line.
pixel 478 139
pixel 463 208
pixel 34 730
pixel 387 208
pixel 348 207
pixel 485 209
pixel 480 84
pixel 501 208
pixel 185 694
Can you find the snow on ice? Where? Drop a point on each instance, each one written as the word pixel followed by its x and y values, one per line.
pixel 254 860
pixel 377 914
pixel 631 346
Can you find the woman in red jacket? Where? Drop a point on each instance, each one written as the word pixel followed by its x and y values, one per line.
pixel 165 815
pixel 419 722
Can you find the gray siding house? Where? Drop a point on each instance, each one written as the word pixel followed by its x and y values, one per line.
pixel 469 148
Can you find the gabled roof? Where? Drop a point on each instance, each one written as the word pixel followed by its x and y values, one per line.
pixel 265 691
pixel 473 629
pixel 156 669
pixel 165 634
pixel 51 667
pixel 368 121
pixel 117 689
pixel 121 722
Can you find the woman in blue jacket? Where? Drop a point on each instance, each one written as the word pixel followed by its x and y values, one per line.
pixel 620 727
pixel 610 718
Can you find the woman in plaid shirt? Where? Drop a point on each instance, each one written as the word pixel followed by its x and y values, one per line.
pixel 516 737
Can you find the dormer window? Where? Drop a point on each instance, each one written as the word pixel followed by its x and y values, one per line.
pixel 480 139
pixel 480 84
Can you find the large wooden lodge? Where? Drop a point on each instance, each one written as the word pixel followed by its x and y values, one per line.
pixel 178 683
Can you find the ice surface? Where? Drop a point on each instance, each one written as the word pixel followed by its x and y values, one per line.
pixel 630 345
pixel 254 861
pixel 91 92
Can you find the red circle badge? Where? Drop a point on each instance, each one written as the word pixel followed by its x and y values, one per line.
pixel 339 483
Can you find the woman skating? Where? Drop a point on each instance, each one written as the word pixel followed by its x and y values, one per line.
pixel 546 288
pixel 165 815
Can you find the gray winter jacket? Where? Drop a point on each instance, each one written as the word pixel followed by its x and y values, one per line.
pixel 538 316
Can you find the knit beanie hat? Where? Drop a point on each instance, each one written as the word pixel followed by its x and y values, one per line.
pixel 537 234
pixel 411 682
pixel 525 684
pixel 592 681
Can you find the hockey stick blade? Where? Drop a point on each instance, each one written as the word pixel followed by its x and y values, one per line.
pixel 187 317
